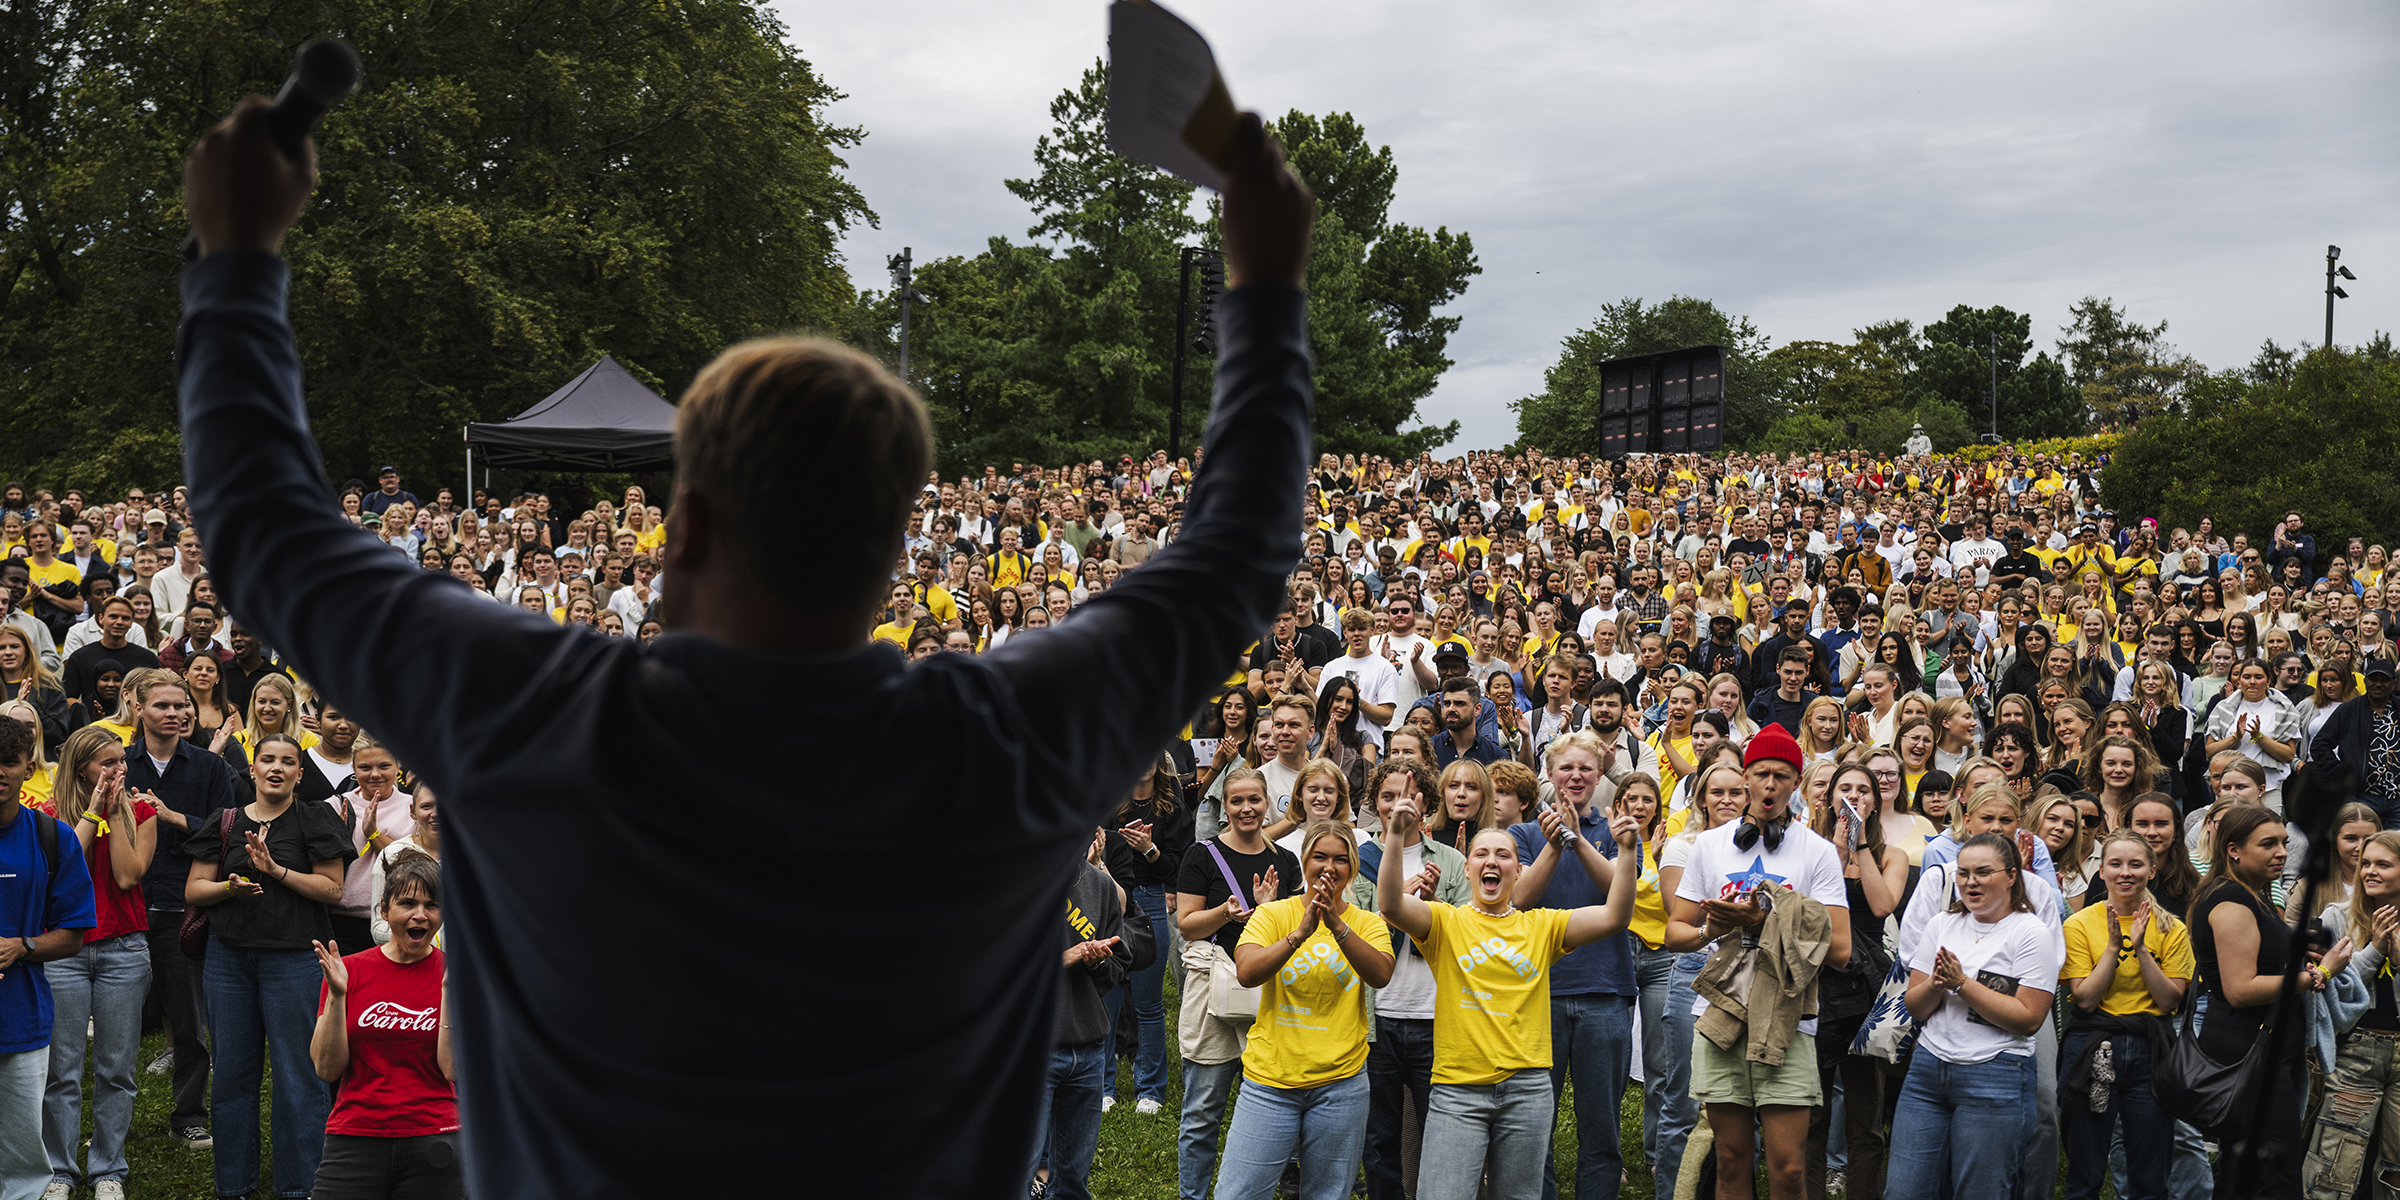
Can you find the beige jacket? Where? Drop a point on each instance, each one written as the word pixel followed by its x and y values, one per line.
pixel 1764 993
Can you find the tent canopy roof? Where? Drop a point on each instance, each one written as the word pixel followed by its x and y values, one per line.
pixel 602 420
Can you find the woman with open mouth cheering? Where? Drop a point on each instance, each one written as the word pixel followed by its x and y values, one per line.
pixel 383 1041
pixel 1491 1022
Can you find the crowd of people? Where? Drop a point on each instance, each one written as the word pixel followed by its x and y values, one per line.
pixel 1870 814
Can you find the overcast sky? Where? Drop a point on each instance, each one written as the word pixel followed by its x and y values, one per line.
pixel 1815 166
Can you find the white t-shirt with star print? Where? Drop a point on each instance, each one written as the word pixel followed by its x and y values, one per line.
pixel 1720 870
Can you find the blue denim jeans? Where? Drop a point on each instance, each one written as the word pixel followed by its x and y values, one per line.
pixel 1666 1076
pixel 1506 1124
pixel 100 989
pixel 1206 1087
pixel 1680 1114
pixel 2386 807
pixel 2149 1131
pixel 1399 1065
pixel 1591 1036
pixel 23 1173
pixel 1149 1006
pixel 1067 1122
pixel 1960 1130
pixel 262 1003
pixel 1323 1123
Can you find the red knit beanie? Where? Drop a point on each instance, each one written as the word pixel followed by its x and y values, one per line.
pixel 1773 742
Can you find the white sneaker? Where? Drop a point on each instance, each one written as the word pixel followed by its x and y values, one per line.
pixel 162 1064
pixel 108 1189
pixel 58 1190
pixel 1106 1103
pixel 1146 1106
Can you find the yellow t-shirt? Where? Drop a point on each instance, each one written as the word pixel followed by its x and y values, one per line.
pixel 2087 940
pixel 124 732
pixel 1312 1014
pixel 1649 908
pixel 59 571
pixel 37 785
pixel 1668 777
pixel 937 601
pixel 1491 991
pixel 895 632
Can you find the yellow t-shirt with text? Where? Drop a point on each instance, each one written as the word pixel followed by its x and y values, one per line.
pixel 2087 939
pixel 1312 1014
pixel 1491 991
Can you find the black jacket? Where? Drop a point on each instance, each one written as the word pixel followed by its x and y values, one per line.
pixel 196 785
pixel 1093 913
pixel 2339 751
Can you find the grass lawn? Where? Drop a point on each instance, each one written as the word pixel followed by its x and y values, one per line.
pixel 1136 1159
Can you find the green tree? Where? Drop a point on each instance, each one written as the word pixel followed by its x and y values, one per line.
pixel 2245 452
pixel 2124 368
pixel 507 198
pixel 1065 351
pixel 1959 363
pixel 1373 287
pixel 1564 417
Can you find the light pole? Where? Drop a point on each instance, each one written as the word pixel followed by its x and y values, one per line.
pixel 1995 387
pixel 2334 290
pixel 900 264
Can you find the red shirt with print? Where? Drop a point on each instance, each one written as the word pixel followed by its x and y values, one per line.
pixel 394 1085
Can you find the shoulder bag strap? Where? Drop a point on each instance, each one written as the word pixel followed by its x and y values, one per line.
pixel 1239 901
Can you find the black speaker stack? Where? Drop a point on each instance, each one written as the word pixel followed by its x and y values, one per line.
pixel 1670 403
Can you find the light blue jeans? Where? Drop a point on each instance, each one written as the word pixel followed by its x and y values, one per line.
pixel 1666 1075
pixel 1327 1124
pixel 1960 1130
pixel 1680 1114
pixel 1143 993
pixel 101 989
pixel 1591 1037
pixel 23 1172
pixel 1206 1087
pixel 1506 1123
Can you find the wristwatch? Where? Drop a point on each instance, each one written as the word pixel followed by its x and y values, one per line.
pixel 30 948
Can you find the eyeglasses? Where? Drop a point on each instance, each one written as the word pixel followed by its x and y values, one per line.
pixel 1885 776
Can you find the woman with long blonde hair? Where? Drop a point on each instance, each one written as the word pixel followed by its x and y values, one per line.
pixel 24 677
pixel 1822 725
pixel 2356 1125
pixel 274 708
pixel 97 993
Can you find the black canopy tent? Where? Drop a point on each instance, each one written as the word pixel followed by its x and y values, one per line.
pixel 602 420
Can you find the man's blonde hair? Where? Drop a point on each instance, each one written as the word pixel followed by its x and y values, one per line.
pixel 781 424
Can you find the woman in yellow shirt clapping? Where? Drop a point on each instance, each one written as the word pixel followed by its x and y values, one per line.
pixel 1312 957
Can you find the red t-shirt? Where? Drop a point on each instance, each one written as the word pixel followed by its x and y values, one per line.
pixel 119 910
pixel 394 1087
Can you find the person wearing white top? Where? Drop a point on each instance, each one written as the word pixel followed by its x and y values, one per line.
pixel 1748 1103
pixel 1980 977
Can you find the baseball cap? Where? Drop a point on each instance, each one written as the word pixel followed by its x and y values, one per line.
pixel 1452 648
pixel 1722 619
pixel 154 517
pixel 387 469
pixel 2383 670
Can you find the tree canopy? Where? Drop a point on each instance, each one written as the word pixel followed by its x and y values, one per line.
pixel 516 189
pixel 2320 438
pixel 1062 348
